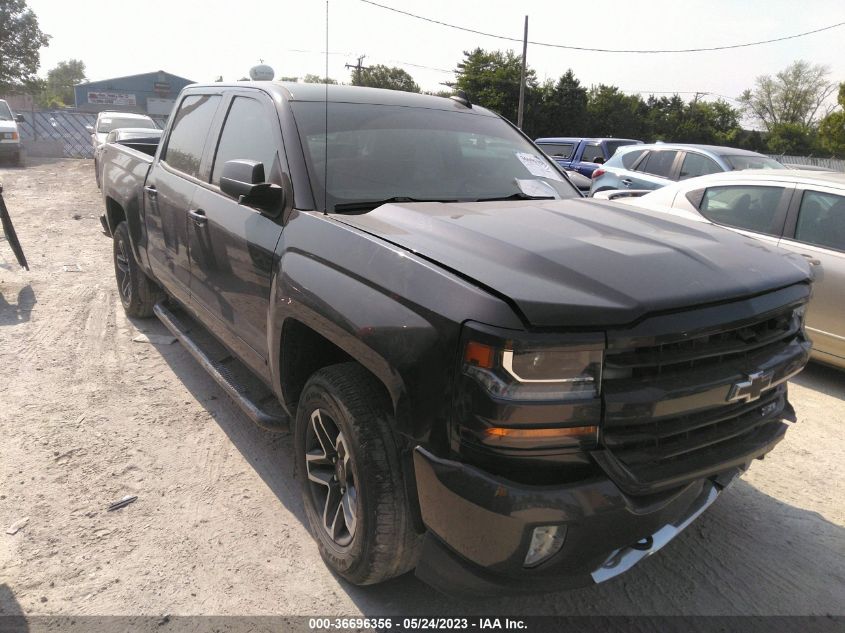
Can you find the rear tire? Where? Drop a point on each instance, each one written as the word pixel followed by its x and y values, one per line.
pixel 353 486
pixel 138 293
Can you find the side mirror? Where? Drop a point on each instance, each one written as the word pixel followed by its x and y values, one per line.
pixel 244 180
pixel 89 129
pixel 19 118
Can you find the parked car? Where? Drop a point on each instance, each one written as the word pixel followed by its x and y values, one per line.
pixel 801 211
pixel 657 165
pixel 491 378
pixel 142 139
pixel 10 137
pixel 108 121
pixel 583 155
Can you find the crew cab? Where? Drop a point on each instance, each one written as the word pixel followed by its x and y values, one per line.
pixel 582 155
pixel 488 377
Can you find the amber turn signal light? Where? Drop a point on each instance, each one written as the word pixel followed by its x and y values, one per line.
pixel 519 434
pixel 479 355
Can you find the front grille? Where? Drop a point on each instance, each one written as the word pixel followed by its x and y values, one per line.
pixel 668 415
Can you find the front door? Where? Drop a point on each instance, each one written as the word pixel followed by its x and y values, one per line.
pixel 231 245
pixel 819 235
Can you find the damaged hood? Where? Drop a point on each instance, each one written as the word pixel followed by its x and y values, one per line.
pixel 582 262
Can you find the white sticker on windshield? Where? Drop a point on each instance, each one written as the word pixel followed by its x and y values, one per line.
pixel 537 166
pixel 536 188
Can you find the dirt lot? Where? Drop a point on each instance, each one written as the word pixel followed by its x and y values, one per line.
pixel 88 416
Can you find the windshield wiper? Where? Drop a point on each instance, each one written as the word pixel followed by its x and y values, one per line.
pixel 368 205
pixel 519 195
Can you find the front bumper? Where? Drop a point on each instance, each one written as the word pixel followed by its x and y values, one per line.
pixel 9 148
pixel 480 526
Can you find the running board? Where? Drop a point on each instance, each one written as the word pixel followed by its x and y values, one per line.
pixel 248 392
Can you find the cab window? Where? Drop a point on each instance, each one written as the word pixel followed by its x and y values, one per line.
pixel 557 150
pixel 821 220
pixel 247 134
pixel 187 136
pixel 747 207
pixel 593 154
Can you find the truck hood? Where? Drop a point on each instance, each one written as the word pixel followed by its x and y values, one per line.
pixel 584 262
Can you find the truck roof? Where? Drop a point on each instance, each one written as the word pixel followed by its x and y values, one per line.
pixel 578 139
pixel 351 94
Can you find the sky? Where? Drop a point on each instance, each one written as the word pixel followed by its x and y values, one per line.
pixel 203 39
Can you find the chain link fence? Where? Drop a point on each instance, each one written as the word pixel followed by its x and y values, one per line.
pixel 68 128
pixel 835 164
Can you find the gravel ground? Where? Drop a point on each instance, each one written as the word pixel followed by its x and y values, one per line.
pixel 88 416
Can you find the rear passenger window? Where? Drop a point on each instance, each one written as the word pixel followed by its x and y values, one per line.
pixel 821 220
pixel 748 207
pixel 247 134
pixel 188 133
pixel 592 154
pixel 629 159
pixel 658 163
pixel 557 150
pixel 698 165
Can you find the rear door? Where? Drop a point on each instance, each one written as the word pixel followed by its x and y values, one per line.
pixel 231 245
pixel 170 188
pixel 816 230
pixel 591 157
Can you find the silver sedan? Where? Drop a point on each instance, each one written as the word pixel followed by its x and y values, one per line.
pixel 799 210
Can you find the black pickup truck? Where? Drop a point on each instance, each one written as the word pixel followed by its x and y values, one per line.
pixel 488 377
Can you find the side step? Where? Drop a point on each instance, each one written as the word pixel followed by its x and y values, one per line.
pixel 248 392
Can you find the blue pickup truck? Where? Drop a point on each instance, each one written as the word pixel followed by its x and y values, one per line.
pixel 583 155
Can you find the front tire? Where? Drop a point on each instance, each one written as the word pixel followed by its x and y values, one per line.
pixel 352 481
pixel 138 293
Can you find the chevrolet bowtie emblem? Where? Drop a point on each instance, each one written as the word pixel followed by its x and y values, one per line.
pixel 752 388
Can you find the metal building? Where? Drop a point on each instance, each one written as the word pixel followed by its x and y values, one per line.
pixel 150 93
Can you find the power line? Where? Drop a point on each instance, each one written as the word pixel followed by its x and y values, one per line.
pixel 604 50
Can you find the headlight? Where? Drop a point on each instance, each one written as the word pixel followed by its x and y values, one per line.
pixel 535 392
pixel 519 372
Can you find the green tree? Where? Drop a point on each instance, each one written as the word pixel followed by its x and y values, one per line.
pixel 20 44
pixel 491 79
pixel 557 108
pixel 794 96
pixel 311 78
pixel 613 113
pixel 380 76
pixel 790 138
pixel 832 128
pixel 62 79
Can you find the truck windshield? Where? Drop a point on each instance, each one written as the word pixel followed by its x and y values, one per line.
pixel 382 152
pixel 107 124
pixel 5 112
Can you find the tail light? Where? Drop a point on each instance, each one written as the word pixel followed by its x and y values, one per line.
pixel 597 173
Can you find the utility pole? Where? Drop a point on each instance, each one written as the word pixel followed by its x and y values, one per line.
pixel 358 68
pixel 522 77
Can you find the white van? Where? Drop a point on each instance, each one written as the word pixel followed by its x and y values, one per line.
pixel 10 136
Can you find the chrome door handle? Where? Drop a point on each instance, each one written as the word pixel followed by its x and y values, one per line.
pixel 626 181
pixel 811 260
pixel 152 192
pixel 198 216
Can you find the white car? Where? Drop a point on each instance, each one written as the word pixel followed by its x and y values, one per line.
pixel 10 136
pixel 108 121
pixel 799 210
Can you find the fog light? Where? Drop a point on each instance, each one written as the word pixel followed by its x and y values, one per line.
pixel 546 541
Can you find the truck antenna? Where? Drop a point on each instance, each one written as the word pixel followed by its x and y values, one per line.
pixel 326 146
